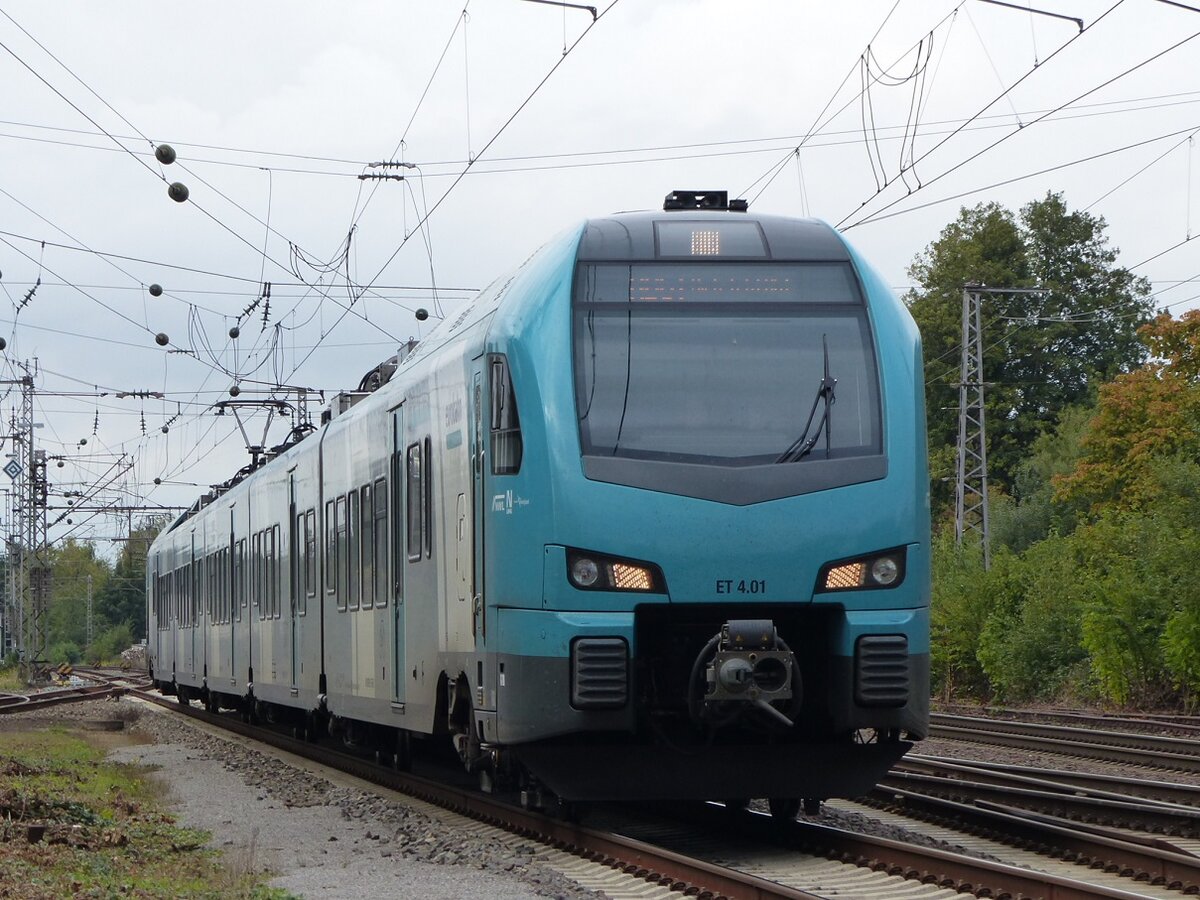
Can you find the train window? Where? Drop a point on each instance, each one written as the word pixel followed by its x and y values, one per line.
pixel 210 567
pixel 271 547
pixel 366 535
pixel 708 401
pixel 341 560
pixel 427 484
pixel 223 585
pixel 256 571
pixel 353 560
pixel 330 549
pixel 507 445
pixel 416 505
pixel 380 534
pixel 239 578
pixel 310 556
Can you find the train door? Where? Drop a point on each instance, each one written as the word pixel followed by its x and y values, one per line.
pixel 478 504
pixel 293 570
pixel 398 553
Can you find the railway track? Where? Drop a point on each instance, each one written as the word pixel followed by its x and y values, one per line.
pixel 885 861
pixel 1160 721
pixel 866 865
pixel 43 699
pixel 1149 750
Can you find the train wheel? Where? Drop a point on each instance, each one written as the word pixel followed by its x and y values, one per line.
pixel 312 726
pixel 402 757
pixel 212 703
pixel 181 695
pixel 784 808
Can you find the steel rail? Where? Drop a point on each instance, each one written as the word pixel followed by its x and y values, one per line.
pixel 1114 746
pixel 1114 787
pixel 1160 721
pixel 691 876
pixel 27 702
pixel 1155 862
pixel 1082 808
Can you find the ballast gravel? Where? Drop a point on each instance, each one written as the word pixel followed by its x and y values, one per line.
pixel 315 837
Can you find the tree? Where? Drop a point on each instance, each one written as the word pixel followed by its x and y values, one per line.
pixel 123 600
pixel 1142 416
pixel 1044 351
pixel 71 563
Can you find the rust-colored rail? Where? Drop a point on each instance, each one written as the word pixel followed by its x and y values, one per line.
pixel 690 876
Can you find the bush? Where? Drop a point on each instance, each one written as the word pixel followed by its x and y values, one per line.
pixel 64 652
pixel 111 642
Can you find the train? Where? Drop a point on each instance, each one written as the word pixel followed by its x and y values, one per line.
pixel 647 520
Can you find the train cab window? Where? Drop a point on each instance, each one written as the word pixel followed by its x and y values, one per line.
pixel 380 534
pixel 330 549
pixel 717 363
pixel 416 502
pixel 366 540
pixel 507 445
pixel 353 560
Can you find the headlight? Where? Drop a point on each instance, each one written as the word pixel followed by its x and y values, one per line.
pixel 879 570
pixel 584 572
pixel 593 572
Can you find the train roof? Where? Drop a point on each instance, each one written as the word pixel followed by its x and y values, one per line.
pixel 648 236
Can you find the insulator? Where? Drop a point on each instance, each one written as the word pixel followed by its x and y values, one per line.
pixel 161 339
pixel 156 290
pixel 165 154
pixel 3 343
pixel 422 314
pixel 177 191
pixel 233 333
pixel 234 391
pixel 158 481
pixel 165 429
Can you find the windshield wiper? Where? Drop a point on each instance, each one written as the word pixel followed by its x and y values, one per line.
pixel 804 444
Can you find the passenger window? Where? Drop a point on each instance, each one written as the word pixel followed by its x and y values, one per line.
pixel 366 534
pixel 330 548
pixel 416 502
pixel 352 551
pixel 310 553
pixel 381 563
pixel 427 483
pixel 340 554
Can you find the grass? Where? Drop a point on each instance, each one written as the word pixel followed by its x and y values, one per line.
pixel 10 680
pixel 72 824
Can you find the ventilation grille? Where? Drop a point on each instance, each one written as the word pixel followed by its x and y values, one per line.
pixel 599 673
pixel 881 670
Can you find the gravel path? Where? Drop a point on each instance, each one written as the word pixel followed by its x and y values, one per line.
pixel 319 837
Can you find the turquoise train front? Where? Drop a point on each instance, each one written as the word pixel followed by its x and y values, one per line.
pixel 705 541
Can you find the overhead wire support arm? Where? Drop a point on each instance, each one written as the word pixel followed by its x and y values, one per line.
pixel 590 9
pixel 1043 12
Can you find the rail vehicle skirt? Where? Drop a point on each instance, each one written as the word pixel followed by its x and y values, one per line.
pixel 636 772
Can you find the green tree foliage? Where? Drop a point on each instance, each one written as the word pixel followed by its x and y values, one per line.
pixel 1044 352
pixel 123 600
pixel 71 563
pixel 109 645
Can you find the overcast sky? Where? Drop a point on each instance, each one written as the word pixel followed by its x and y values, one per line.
pixel 276 108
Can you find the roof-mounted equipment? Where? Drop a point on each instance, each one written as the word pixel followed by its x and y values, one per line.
pixel 711 200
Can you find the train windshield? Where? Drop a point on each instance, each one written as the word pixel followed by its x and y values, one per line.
pixel 721 363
